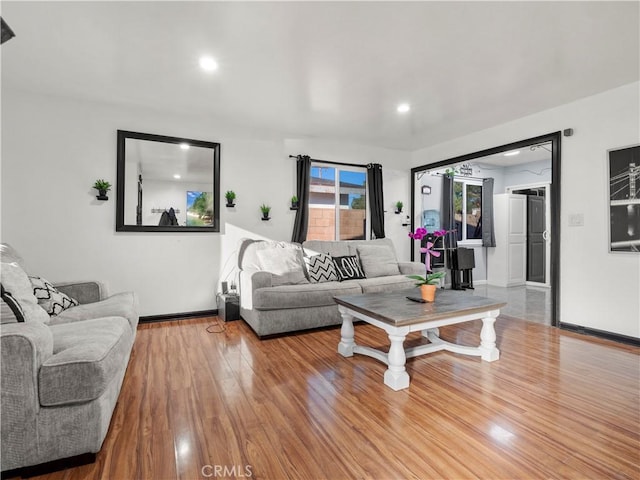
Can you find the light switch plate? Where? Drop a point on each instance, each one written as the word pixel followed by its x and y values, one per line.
pixel 576 219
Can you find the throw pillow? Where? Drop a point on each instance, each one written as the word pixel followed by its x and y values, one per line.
pixel 11 310
pixel 348 267
pixel 49 297
pixel 378 261
pixel 321 268
pixel 16 283
pixel 284 263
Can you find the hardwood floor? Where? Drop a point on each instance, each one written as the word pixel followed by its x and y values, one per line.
pixel 211 405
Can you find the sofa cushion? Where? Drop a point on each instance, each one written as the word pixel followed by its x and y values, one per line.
pixel 119 305
pixel 284 262
pixel 333 248
pixel 348 267
pixel 49 298
pixel 306 295
pixel 378 260
pixel 16 283
pixel 87 356
pixel 320 268
pixel 387 284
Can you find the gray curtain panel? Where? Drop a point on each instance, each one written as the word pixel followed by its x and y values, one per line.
pixel 448 220
pixel 376 199
pixel 488 232
pixel 303 175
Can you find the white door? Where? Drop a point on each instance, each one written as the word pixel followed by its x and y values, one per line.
pixel 507 261
pixel 517 239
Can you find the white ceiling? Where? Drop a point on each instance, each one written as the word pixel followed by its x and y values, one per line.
pixel 328 70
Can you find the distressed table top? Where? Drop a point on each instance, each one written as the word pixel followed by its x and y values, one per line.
pixel 395 309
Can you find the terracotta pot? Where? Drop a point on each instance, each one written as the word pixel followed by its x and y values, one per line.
pixel 428 292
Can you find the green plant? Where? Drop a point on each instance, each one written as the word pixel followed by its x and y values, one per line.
pixel 399 205
pixel 102 185
pixel 265 209
pixel 431 278
pixel 450 172
pixel 294 199
pixel 230 196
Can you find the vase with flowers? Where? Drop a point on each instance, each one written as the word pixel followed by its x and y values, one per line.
pixel 430 281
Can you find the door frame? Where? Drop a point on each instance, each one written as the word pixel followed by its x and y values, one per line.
pixel 547 220
pixel 555 139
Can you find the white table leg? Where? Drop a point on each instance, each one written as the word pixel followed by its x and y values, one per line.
pixel 396 376
pixel 488 349
pixel 347 343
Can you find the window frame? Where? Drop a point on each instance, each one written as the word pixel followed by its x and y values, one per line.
pixel 465 182
pixel 336 203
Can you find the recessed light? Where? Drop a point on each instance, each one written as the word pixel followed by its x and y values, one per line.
pixel 208 64
pixel 184 146
pixel 177 176
pixel 511 154
pixel 403 108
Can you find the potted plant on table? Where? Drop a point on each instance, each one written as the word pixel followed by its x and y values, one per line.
pixel 294 203
pixel 230 196
pixel 265 209
pixel 103 187
pixel 399 206
pixel 429 282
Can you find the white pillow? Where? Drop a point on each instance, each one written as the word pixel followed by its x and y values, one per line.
pixel 16 282
pixel 284 262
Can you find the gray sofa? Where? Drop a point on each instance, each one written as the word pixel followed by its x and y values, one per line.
pixel 60 377
pixel 273 304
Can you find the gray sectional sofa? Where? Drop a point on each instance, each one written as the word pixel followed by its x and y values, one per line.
pixel 276 299
pixel 60 375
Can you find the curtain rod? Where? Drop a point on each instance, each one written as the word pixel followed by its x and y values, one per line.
pixel 332 163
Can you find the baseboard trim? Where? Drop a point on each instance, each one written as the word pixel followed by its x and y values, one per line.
pixel 50 467
pixel 616 337
pixel 178 316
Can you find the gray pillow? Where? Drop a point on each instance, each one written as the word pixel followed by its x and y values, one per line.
pixel 378 261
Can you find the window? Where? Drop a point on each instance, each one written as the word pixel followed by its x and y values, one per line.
pixel 338 203
pixel 467 206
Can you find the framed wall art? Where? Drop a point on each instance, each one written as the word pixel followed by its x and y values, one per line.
pixel 624 199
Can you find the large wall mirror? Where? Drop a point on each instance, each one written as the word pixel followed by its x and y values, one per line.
pixel 167 184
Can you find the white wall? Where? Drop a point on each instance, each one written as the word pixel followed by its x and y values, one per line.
pixel 53 149
pixel 598 289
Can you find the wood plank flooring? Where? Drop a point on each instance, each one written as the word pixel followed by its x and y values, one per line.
pixel 222 405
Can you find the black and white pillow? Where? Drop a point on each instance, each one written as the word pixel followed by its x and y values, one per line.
pixel 11 310
pixel 321 268
pixel 49 297
pixel 348 267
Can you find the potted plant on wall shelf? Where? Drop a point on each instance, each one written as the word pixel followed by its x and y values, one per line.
pixel 103 187
pixel 265 209
pixel 294 203
pixel 230 196
pixel 399 206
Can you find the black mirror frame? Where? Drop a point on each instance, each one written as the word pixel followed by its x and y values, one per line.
pixel 121 159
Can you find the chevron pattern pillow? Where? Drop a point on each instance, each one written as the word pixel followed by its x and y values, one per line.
pixel 321 268
pixel 49 297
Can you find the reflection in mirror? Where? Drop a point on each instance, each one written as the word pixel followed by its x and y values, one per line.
pixel 167 183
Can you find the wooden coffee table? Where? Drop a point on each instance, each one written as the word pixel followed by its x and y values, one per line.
pixel 398 316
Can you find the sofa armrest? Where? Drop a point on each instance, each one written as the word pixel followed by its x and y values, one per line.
pixel 25 347
pixel 250 281
pixel 412 268
pixel 83 292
